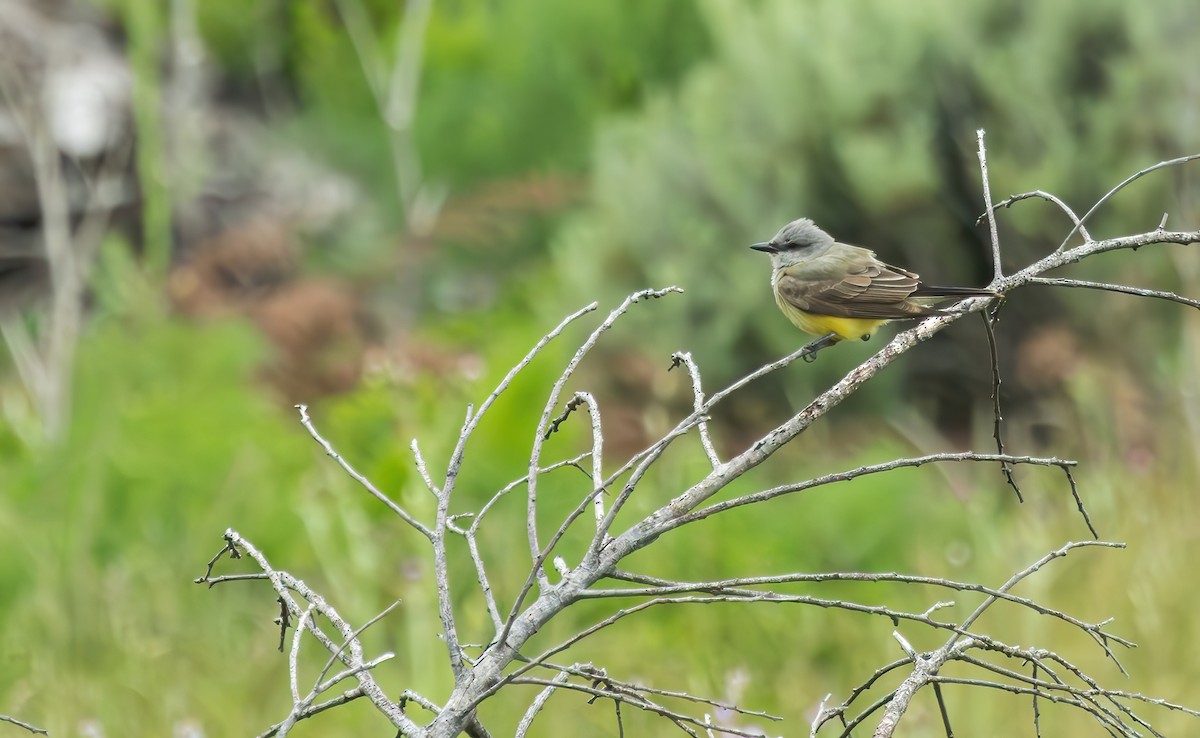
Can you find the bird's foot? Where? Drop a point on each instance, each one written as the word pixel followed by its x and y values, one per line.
pixel 810 350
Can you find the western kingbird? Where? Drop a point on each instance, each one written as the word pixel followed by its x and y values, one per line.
pixel 842 292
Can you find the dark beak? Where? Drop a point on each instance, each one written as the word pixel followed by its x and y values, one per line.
pixel 764 246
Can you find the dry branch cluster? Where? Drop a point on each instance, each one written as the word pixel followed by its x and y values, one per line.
pixel 554 583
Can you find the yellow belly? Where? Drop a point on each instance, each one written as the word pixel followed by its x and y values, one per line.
pixel 819 325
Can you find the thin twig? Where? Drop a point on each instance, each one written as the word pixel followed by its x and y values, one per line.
pixel 284 585
pixel 23 724
pixel 294 655
pixel 591 671
pixel 861 471
pixel 840 711
pixel 631 700
pixel 403 514
pixel 987 201
pixel 1092 695
pixel 538 556
pixel 773 597
pixel 441 561
pixel 348 696
pixel 1012 199
pixel 1037 715
pixel 540 436
pixel 597 449
pixel 538 703
pixel 422 469
pixel 685 358
pixel 1079 502
pixel 941 701
pixel 346 642
pixel 1124 183
pixel 1058 553
pixel 471 534
pixel 989 318
pixel 736 586
pixel 1120 288
pixel 926 667
pixel 441 565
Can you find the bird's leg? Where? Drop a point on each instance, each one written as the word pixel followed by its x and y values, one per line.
pixel 812 348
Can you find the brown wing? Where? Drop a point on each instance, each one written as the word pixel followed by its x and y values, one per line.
pixel 872 291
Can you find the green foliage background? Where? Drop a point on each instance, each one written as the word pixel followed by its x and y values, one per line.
pixel 696 129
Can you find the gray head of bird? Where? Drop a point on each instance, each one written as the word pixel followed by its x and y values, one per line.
pixel 796 242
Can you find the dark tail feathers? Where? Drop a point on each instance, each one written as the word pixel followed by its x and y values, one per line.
pixel 932 291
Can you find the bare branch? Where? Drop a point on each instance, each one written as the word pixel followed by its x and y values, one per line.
pixel 471 534
pixel 927 666
pixel 536 574
pixel 422 469
pixel 23 724
pixel 1027 571
pixel 1121 288
pixel 660 587
pixel 441 567
pixel 877 610
pixel 861 471
pixel 551 403
pixel 597 450
pixel 348 696
pixel 1124 183
pixel 538 703
pixel 990 317
pixel 284 585
pixel 924 671
pixel 1007 203
pixel 997 270
pixel 497 665
pixel 590 671
pixel 1087 519
pixel 318 688
pixel 403 514
pixel 824 714
pixel 633 701
pixel 685 358
pixel 294 656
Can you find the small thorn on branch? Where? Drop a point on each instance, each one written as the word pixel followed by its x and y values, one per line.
pixel 230 548
pixel 572 406
pixel 284 621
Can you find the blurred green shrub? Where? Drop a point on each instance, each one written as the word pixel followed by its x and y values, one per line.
pixel 864 118
pixel 506 87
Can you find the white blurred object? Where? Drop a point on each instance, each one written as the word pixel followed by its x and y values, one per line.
pixel 86 102
pixel 66 66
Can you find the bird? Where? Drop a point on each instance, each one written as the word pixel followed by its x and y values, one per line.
pixel 842 292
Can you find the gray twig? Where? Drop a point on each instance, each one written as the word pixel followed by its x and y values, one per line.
pixel 1121 288
pixel 538 703
pixel 539 556
pixel 1011 200
pixel 23 724
pixel 685 358
pixel 403 514
pixel 990 212
pixel 351 655
pixel 989 317
pixel 1123 184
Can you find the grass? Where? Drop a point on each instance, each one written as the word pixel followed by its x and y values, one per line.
pixel 101 626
